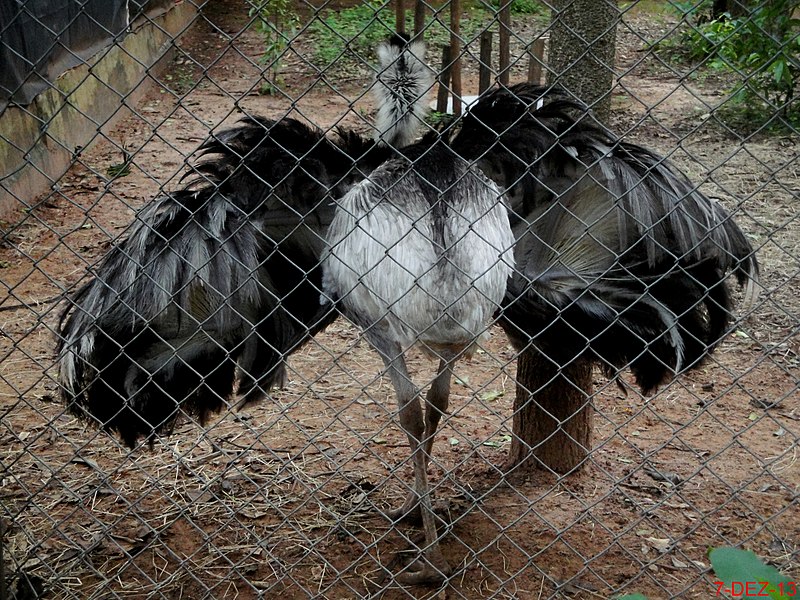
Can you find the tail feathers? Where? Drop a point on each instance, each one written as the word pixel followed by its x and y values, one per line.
pixel 401 88
pixel 262 160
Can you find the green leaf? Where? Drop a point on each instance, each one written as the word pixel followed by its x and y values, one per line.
pixel 777 70
pixel 632 597
pixel 119 170
pixel 493 395
pixel 733 565
pixel 499 441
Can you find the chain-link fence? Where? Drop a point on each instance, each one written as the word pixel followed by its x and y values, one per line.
pixel 212 280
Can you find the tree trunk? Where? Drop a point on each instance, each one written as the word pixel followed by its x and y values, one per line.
pixel 455 54
pixel 718 8
pixel 733 7
pixel 582 44
pixel 552 427
pixel 504 37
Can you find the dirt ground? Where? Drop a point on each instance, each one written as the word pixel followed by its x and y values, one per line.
pixel 285 499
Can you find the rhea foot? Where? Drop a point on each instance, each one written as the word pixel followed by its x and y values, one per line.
pixel 430 569
pixel 409 512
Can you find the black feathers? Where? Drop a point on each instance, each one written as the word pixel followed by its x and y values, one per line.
pixel 618 255
pixel 214 284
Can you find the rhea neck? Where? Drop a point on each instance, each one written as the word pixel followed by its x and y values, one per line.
pixel 401 88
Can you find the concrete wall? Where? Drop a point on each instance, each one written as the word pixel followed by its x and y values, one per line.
pixel 38 142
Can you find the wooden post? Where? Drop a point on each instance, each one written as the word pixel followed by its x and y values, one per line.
pixel 444 81
pixel 536 57
pixel 455 54
pixel 419 18
pixel 400 16
pixel 485 66
pixel 552 414
pixel 505 45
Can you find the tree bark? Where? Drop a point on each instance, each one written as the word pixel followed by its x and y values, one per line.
pixel 733 7
pixel 455 54
pixel 552 426
pixel 582 45
pixel 718 8
pixel 485 63
pixel 504 37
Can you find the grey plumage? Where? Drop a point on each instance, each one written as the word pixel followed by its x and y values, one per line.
pixel 420 253
pixel 403 79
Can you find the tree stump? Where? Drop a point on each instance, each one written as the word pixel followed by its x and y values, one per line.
pixel 552 426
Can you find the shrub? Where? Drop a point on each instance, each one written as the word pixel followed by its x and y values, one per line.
pixel 277 23
pixel 523 7
pixel 355 30
pixel 762 48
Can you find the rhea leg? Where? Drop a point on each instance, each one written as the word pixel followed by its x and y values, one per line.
pixel 436 405
pixel 434 567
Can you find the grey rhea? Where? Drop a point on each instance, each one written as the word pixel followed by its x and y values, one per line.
pixel 420 254
pixel 619 258
pixel 215 284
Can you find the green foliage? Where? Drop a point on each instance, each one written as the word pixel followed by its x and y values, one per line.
pixel 351 30
pixel 180 79
pixel 352 33
pixel 121 169
pixel 737 567
pixel 277 23
pixel 118 170
pixel 691 8
pixel 435 118
pixel 762 48
pixel 522 7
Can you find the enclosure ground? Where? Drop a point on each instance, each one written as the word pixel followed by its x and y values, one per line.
pixel 286 498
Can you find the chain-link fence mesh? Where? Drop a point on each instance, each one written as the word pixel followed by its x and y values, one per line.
pixel 292 496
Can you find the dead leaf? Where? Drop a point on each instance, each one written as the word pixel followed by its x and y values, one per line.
pixel 660 544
